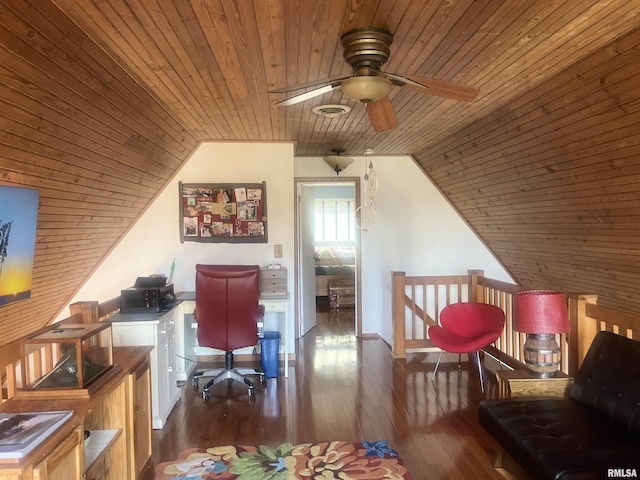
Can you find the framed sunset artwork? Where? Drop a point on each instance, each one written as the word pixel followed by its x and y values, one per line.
pixel 18 220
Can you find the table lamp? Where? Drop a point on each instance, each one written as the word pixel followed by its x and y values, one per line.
pixel 541 314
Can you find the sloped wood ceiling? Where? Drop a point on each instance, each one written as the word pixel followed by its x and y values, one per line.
pixel 102 101
pixel 96 144
pixel 551 182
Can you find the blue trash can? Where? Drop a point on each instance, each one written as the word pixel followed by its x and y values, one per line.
pixel 270 353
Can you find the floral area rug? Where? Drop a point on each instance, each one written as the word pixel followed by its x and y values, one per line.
pixel 326 460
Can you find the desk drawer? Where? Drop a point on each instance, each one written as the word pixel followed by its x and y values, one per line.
pixel 266 275
pixel 274 305
pixel 273 289
pixel 274 284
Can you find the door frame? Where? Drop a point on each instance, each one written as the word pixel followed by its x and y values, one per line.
pixel 297 301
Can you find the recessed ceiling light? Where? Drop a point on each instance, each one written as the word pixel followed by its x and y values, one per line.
pixel 331 111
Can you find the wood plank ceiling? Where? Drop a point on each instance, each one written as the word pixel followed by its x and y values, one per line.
pixel 104 100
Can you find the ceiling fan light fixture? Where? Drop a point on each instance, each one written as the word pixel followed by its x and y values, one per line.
pixel 366 89
pixel 337 162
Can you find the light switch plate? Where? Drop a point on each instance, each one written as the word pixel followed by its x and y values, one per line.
pixel 277 251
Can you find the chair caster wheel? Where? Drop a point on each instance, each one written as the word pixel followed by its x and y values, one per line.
pixel 252 392
pixel 262 378
pixel 206 395
pixel 195 382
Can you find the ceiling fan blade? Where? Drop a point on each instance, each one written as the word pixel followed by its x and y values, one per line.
pixel 439 88
pixel 314 83
pixel 401 81
pixel 382 115
pixel 307 95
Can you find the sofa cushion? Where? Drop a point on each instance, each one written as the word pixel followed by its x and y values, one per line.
pixel 584 436
pixel 609 380
pixel 558 438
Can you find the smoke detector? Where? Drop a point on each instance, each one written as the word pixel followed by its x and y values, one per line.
pixel 331 111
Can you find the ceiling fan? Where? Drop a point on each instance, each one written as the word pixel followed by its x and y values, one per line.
pixel 366 50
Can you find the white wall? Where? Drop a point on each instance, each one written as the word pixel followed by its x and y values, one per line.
pixel 417 232
pixel 154 241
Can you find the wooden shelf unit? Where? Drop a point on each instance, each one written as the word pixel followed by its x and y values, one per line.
pixel 118 413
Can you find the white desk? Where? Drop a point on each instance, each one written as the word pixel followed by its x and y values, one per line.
pixel 187 337
pixel 159 331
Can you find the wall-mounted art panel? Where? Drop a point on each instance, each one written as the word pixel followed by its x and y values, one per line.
pixel 223 212
pixel 18 219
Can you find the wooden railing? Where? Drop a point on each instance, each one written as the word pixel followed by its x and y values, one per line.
pixel 422 298
pixel 417 303
pixel 10 363
pixel 418 300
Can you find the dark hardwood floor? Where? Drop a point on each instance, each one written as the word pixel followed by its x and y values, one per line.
pixel 346 388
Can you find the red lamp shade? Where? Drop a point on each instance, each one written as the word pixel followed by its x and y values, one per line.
pixel 540 311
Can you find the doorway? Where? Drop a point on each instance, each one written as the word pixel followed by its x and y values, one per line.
pixel 328 254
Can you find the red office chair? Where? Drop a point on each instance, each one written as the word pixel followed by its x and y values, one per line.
pixel 466 328
pixel 227 313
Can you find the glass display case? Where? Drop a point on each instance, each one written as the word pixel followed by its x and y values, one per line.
pixel 66 356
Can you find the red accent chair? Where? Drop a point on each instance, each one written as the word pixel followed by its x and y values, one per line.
pixel 466 328
pixel 227 312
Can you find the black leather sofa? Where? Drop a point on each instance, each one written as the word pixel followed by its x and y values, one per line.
pixel 593 434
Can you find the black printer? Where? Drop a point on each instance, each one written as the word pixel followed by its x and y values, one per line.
pixel 148 295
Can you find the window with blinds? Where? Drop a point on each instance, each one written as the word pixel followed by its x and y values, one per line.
pixel 334 220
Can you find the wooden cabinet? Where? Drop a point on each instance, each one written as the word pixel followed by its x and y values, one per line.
pixel 65 462
pixel 106 448
pixel 156 330
pixel 100 470
pixel 118 415
pixel 139 400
